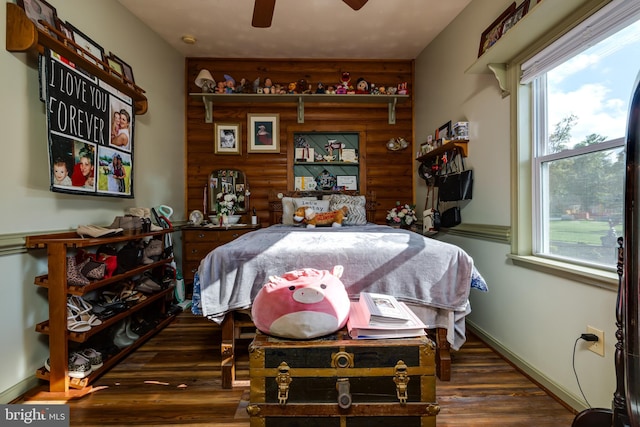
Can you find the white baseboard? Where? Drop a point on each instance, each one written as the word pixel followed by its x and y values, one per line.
pixel 19 389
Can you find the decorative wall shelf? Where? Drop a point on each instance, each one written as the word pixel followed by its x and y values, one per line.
pixel 456 144
pixel 540 19
pixel 24 36
pixel 209 99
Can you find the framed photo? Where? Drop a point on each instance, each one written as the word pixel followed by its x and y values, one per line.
pixel 114 64
pixel 37 10
pixel 444 131
pixel 515 16
pixel 494 31
pixel 64 29
pixel 94 49
pixel 228 138
pixel 264 133
pixel 127 71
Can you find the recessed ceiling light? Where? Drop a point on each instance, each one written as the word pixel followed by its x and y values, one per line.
pixel 189 39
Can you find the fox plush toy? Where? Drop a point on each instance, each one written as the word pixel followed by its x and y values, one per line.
pixel 308 216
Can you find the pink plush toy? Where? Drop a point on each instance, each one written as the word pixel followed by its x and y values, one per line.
pixel 306 303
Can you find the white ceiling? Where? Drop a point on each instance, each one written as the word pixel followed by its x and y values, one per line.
pixel 381 29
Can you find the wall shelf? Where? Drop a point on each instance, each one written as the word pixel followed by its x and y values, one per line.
pixel 24 36
pixel 540 19
pixel 209 99
pixel 456 144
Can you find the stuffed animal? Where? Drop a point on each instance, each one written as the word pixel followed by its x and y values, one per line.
pixel 302 304
pixel 308 216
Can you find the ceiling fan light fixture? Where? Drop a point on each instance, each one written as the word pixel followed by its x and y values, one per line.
pixel 187 39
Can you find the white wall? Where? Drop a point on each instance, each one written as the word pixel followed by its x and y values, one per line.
pixel 534 317
pixel 27 204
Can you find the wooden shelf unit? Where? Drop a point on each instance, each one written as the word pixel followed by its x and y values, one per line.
pixel 57 246
pixel 24 36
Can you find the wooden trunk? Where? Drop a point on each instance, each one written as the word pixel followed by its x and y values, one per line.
pixel 337 381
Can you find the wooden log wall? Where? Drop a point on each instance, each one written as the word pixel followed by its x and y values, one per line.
pixel 387 173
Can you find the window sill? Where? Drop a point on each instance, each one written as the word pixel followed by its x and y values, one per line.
pixel 590 276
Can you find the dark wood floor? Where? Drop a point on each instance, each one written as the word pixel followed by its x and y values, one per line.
pixel 484 390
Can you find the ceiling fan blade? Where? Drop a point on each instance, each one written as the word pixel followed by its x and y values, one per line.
pixel 263 13
pixel 355 4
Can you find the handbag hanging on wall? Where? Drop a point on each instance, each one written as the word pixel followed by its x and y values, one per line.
pixel 451 217
pixel 456 186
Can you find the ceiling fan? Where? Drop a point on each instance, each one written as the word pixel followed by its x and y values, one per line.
pixel 263 11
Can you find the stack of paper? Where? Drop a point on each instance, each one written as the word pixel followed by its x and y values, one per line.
pixel 382 316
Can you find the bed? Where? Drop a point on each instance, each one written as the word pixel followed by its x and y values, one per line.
pixel 433 277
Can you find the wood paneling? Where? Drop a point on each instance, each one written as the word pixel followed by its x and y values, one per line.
pixel 387 173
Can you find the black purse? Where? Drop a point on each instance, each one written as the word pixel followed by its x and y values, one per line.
pixel 456 186
pixel 451 217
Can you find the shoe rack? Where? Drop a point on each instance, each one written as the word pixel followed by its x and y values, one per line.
pixel 58 245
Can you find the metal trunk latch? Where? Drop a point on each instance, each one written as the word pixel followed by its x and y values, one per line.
pixel 342 359
pixel 344 394
pixel 283 379
pixel 401 378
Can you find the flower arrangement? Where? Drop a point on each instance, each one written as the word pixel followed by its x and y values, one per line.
pixel 402 215
pixel 226 203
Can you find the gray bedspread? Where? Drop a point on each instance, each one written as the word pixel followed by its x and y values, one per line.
pixel 376 258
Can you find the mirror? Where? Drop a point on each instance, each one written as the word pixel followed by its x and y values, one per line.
pixel 228 182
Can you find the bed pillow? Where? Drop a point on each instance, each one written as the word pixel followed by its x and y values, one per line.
pixel 288 208
pixel 356 211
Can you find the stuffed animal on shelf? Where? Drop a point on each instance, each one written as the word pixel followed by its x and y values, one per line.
pixel 362 86
pixel 307 215
pixel 302 304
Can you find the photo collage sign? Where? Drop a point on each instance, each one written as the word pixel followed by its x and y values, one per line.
pixel 90 127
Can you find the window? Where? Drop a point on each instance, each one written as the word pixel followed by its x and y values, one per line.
pixel 581 87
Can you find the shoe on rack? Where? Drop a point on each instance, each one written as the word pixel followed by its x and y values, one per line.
pixel 129 331
pixel 83 310
pixel 79 366
pixel 94 357
pixel 75 322
pixel 120 338
pixel 97 231
pixel 74 276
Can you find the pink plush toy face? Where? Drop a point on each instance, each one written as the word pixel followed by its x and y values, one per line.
pixel 305 303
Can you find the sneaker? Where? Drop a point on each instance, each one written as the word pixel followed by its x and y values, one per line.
pixel 94 357
pixel 79 366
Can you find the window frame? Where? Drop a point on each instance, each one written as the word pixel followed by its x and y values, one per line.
pixel 523 173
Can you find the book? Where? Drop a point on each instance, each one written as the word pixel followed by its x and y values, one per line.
pixel 382 308
pixel 359 328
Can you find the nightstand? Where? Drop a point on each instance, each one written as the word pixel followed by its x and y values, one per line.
pixel 199 241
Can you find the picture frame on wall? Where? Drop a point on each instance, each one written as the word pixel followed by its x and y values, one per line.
pixel 444 131
pixel 494 31
pixel 114 65
pixel 127 71
pixel 515 16
pixel 64 29
pixel 228 138
pixel 95 51
pixel 263 131
pixel 37 10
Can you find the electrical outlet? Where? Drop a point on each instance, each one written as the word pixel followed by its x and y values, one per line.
pixel 597 346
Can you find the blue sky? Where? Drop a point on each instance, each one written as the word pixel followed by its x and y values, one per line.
pixel 596 86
